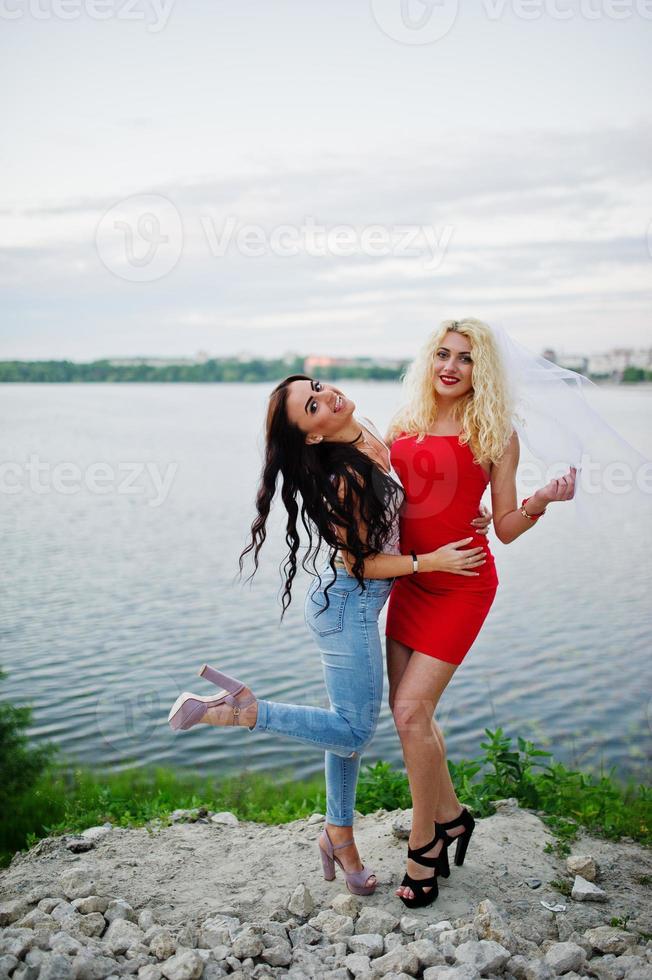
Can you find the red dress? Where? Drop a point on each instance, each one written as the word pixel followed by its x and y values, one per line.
pixel 439 613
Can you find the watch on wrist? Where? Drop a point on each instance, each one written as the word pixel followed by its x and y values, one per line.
pixel 415 562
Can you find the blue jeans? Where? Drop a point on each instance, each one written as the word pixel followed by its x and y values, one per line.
pixel 352 660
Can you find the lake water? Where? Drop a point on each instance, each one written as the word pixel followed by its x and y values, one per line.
pixel 114 592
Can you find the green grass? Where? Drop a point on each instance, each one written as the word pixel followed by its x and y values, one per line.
pixel 69 800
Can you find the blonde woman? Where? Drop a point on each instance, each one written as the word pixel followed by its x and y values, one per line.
pixel 453 438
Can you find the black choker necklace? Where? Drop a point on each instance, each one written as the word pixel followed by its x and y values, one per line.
pixel 357 439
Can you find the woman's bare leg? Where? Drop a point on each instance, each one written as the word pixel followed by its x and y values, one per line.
pixel 415 698
pixel 449 807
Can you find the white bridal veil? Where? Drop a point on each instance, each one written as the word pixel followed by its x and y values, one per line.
pixel 558 421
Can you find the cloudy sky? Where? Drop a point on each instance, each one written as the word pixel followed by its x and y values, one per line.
pixel 273 176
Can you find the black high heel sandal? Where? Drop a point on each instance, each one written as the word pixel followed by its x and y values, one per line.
pixel 462 840
pixel 418 886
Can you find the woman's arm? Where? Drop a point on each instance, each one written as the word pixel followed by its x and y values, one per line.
pixel 509 522
pixel 450 558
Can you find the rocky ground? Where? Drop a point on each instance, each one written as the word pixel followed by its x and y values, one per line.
pixel 206 896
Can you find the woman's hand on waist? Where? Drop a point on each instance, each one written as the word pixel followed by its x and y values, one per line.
pixel 454 558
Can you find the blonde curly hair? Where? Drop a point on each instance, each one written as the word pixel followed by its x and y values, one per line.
pixel 485 412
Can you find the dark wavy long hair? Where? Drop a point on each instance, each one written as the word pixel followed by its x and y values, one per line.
pixel 310 475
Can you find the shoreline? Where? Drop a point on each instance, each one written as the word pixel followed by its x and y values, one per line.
pixel 212 896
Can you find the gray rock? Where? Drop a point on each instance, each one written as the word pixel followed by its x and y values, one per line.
pixel 315 818
pixel 225 818
pixel 582 864
pixel 537 970
pixel 212 971
pixel 218 930
pixel 516 966
pixel 87 966
pixel 149 972
pixel 188 936
pixel 586 891
pixel 451 973
pixel 121 934
pixel 357 964
pixel 16 942
pixel 567 933
pixel 392 940
pixel 564 957
pixel 304 936
pixel 272 931
pixel 25 972
pixel 409 925
pixel 7 964
pixel 607 939
pixel 448 952
pixel 183 966
pixel 346 904
pixel 490 923
pixel 120 909
pixel 92 924
pixel 247 943
pixel 427 952
pixel 96 833
pixel 611 967
pixel 37 919
pixel 301 902
pixel 485 955
pixel 78 881
pixel 280 954
pixel 63 911
pixel 92 903
pixel 35 957
pixel 376 920
pixel 332 925
pixel 435 929
pixel 368 944
pixel 56 966
pixel 398 961
pixel 463 934
pixel 48 904
pixel 177 816
pixel 13 910
pixel 146 919
pixel 163 945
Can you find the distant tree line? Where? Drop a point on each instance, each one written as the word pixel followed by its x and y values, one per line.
pixel 218 369
pixel 215 369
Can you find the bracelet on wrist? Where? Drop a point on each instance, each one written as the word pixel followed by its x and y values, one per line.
pixel 531 517
pixel 415 562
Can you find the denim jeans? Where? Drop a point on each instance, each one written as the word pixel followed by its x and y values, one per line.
pixel 351 654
